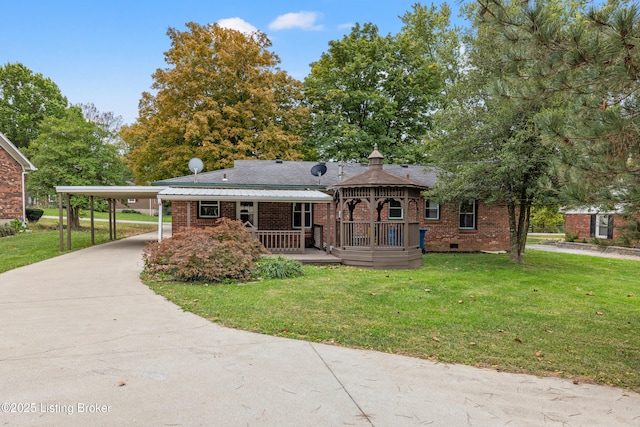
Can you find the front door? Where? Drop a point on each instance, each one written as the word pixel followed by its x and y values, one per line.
pixel 247 213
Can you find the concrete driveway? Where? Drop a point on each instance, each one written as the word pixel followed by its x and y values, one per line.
pixel 84 342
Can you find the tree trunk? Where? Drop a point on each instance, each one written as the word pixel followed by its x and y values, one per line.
pixel 74 217
pixel 518 229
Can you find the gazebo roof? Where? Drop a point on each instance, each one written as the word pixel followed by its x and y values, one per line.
pixel 376 176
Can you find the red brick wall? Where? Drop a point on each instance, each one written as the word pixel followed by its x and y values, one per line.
pixel 580 224
pixel 10 187
pixel 492 233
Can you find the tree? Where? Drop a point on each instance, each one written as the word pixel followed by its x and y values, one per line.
pixel 487 141
pixel 223 98
pixel 371 89
pixel 73 151
pixel 110 123
pixel 590 60
pixel 25 100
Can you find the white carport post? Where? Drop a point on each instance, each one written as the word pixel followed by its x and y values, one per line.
pixel 159 219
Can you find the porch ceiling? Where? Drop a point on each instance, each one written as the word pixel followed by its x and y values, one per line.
pixel 236 194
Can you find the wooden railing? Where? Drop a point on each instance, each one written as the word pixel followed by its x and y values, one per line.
pixel 280 241
pixel 386 234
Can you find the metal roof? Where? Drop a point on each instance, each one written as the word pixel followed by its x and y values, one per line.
pixel 113 191
pixel 182 193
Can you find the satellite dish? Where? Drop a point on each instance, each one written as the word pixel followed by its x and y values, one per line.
pixel 319 170
pixel 195 166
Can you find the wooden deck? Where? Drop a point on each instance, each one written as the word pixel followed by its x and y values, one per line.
pixel 314 257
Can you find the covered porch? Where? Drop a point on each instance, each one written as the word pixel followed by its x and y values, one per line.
pixel 257 209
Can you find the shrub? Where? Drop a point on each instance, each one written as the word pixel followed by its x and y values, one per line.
pixel 131 211
pixel 17 225
pixel 278 267
pixel 34 214
pixel 570 236
pixel 226 251
pixel 7 230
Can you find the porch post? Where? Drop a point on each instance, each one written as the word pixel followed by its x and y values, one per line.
pixel 159 219
pixel 329 207
pixel 93 240
pixel 303 226
pixel 110 220
pixel 61 222
pixel 68 222
pixel 115 235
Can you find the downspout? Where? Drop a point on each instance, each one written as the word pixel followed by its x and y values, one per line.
pixel 24 198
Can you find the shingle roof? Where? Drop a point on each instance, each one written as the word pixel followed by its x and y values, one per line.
pixel 295 174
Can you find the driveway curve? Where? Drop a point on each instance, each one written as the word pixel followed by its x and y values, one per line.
pixel 84 342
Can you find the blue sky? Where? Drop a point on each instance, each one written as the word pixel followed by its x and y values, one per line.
pixel 105 52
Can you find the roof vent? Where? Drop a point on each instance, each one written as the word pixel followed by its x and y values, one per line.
pixel 278 161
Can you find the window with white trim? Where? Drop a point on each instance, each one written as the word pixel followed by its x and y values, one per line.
pixel 604 226
pixel 395 209
pixel 209 209
pixel 131 200
pixel 431 210
pixel 297 217
pixel 468 220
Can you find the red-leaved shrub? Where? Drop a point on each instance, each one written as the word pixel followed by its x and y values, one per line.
pixel 226 251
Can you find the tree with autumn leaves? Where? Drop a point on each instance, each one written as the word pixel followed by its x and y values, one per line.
pixel 223 97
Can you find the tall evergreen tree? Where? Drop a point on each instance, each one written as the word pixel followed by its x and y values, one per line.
pixel 588 56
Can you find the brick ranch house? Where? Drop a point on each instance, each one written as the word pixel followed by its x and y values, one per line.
pixel 350 206
pixel 14 167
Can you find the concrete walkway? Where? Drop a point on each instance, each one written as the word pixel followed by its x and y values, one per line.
pixel 84 342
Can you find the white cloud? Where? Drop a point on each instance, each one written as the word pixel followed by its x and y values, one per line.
pixel 302 20
pixel 346 26
pixel 237 24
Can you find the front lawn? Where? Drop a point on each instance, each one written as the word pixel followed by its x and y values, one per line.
pixel 42 241
pixel 567 315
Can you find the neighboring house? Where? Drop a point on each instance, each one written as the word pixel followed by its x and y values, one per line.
pixel 587 223
pixel 14 167
pixel 144 206
pixel 350 207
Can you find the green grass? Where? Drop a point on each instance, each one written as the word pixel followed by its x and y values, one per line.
pixel 566 315
pixel 105 215
pixel 42 242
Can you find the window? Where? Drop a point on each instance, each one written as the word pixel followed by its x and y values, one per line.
pixel 297 218
pixel 395 209
pixel 131 200
pixel 468 215
pixel 604 226
pixel 247 213
pixel 431 210
pixel 208 209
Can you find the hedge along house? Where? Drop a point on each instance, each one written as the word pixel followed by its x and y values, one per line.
pixel 14 167
pixel 363 213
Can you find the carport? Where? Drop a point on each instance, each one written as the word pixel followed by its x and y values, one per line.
pixel 111 193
